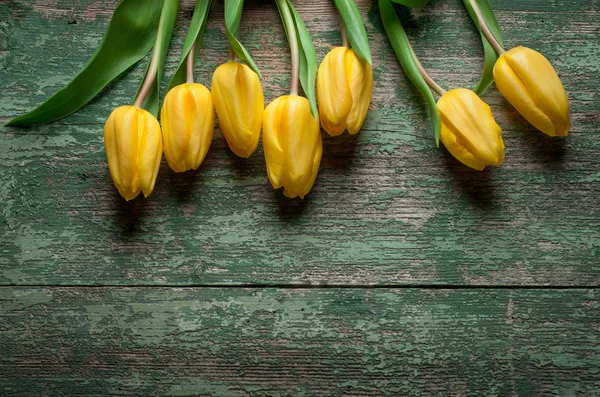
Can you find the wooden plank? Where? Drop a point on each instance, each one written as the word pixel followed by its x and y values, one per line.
pixel 281 342
pixel 388 207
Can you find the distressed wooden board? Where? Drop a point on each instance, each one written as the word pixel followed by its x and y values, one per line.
pixel 282 342
pixel 387 208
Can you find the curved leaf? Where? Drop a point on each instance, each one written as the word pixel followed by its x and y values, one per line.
pixel 233 15
pixel 130 35
pixel 308 60
pixel 408 60
pixel 194 36
pixel 487 78
pixel 163 38
pixel 355 29
pixel 412 3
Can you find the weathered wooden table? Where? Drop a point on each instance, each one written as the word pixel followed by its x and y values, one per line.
pixel 403 272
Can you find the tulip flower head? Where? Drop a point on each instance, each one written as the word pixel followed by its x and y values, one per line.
pixel 134 145
pixel 469 130
pixel 344 91
pixel 530 83
pixel 188 122
pixel 292 145
pixel 240 103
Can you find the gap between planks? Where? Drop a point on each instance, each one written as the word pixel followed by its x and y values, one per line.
pixel 313 286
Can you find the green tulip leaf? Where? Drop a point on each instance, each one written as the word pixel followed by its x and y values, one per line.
pixel 355 29
pixel 159 54
pixel 193 39
pixel 130 36
pixel 233 15
pixel 412 3
pixel 308 56
pixel 490 56
pixel 408 60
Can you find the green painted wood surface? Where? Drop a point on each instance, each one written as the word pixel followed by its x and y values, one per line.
pixel 318 342
pixel 103 297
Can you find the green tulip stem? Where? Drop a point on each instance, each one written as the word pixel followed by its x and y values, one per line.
pixel 485 29
pixel 430 82
pixel 345 41
pixel 190 64
pixel 231 54
pixel 153 68
pixel 288 21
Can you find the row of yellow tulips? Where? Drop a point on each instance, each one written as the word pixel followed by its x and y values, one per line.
pixel 135 140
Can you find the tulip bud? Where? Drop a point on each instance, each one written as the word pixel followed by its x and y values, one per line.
pixel 469 130
pixel 292 145
pixel 240 105
pixel 530 83
pixel 134 147
pixel 188 122
pixel 344 90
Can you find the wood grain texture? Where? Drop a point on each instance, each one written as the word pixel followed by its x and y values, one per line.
pixel 318 342
pixel 387 208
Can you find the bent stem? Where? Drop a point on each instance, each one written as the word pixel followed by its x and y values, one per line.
pixel 485 29
pixel 190 63
pixel 430 82
pixel 290 29
pixel 153 68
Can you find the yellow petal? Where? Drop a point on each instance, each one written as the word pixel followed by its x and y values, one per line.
pixel 150 151
pixel 239 101
pixel 271 144
pixel 530 83
pixel 333 91
pixel 469 130
pixel 360 77
pixel 187 118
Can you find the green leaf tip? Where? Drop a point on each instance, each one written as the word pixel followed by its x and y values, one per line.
pixel 355 28
pixel 408 60
pixel 129 37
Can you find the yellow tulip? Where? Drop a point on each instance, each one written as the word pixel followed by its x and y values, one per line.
pixel 344 90
pixel 292 145
pixel 134 148
pixel 530 83
pixel 469 130
pixel 240 105
pixel 188 122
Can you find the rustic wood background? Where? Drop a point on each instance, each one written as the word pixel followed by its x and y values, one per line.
pixel 402 273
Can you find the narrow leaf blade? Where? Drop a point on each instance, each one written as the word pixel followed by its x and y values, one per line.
pixel 194 35
pixel 404 53
pixel 490 56
pixel 308 60
pixel 129 37
pixel 355 29
pixel 163 39
pixel 233 15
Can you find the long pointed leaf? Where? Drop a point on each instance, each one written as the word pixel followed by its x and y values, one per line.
pixel 233 15
pixel 194 35
pixel 163 39
pixel 308 60
pixel 412 3
pixel 408 61
pixel 487 78
pixel 130 35
pixel 355 29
